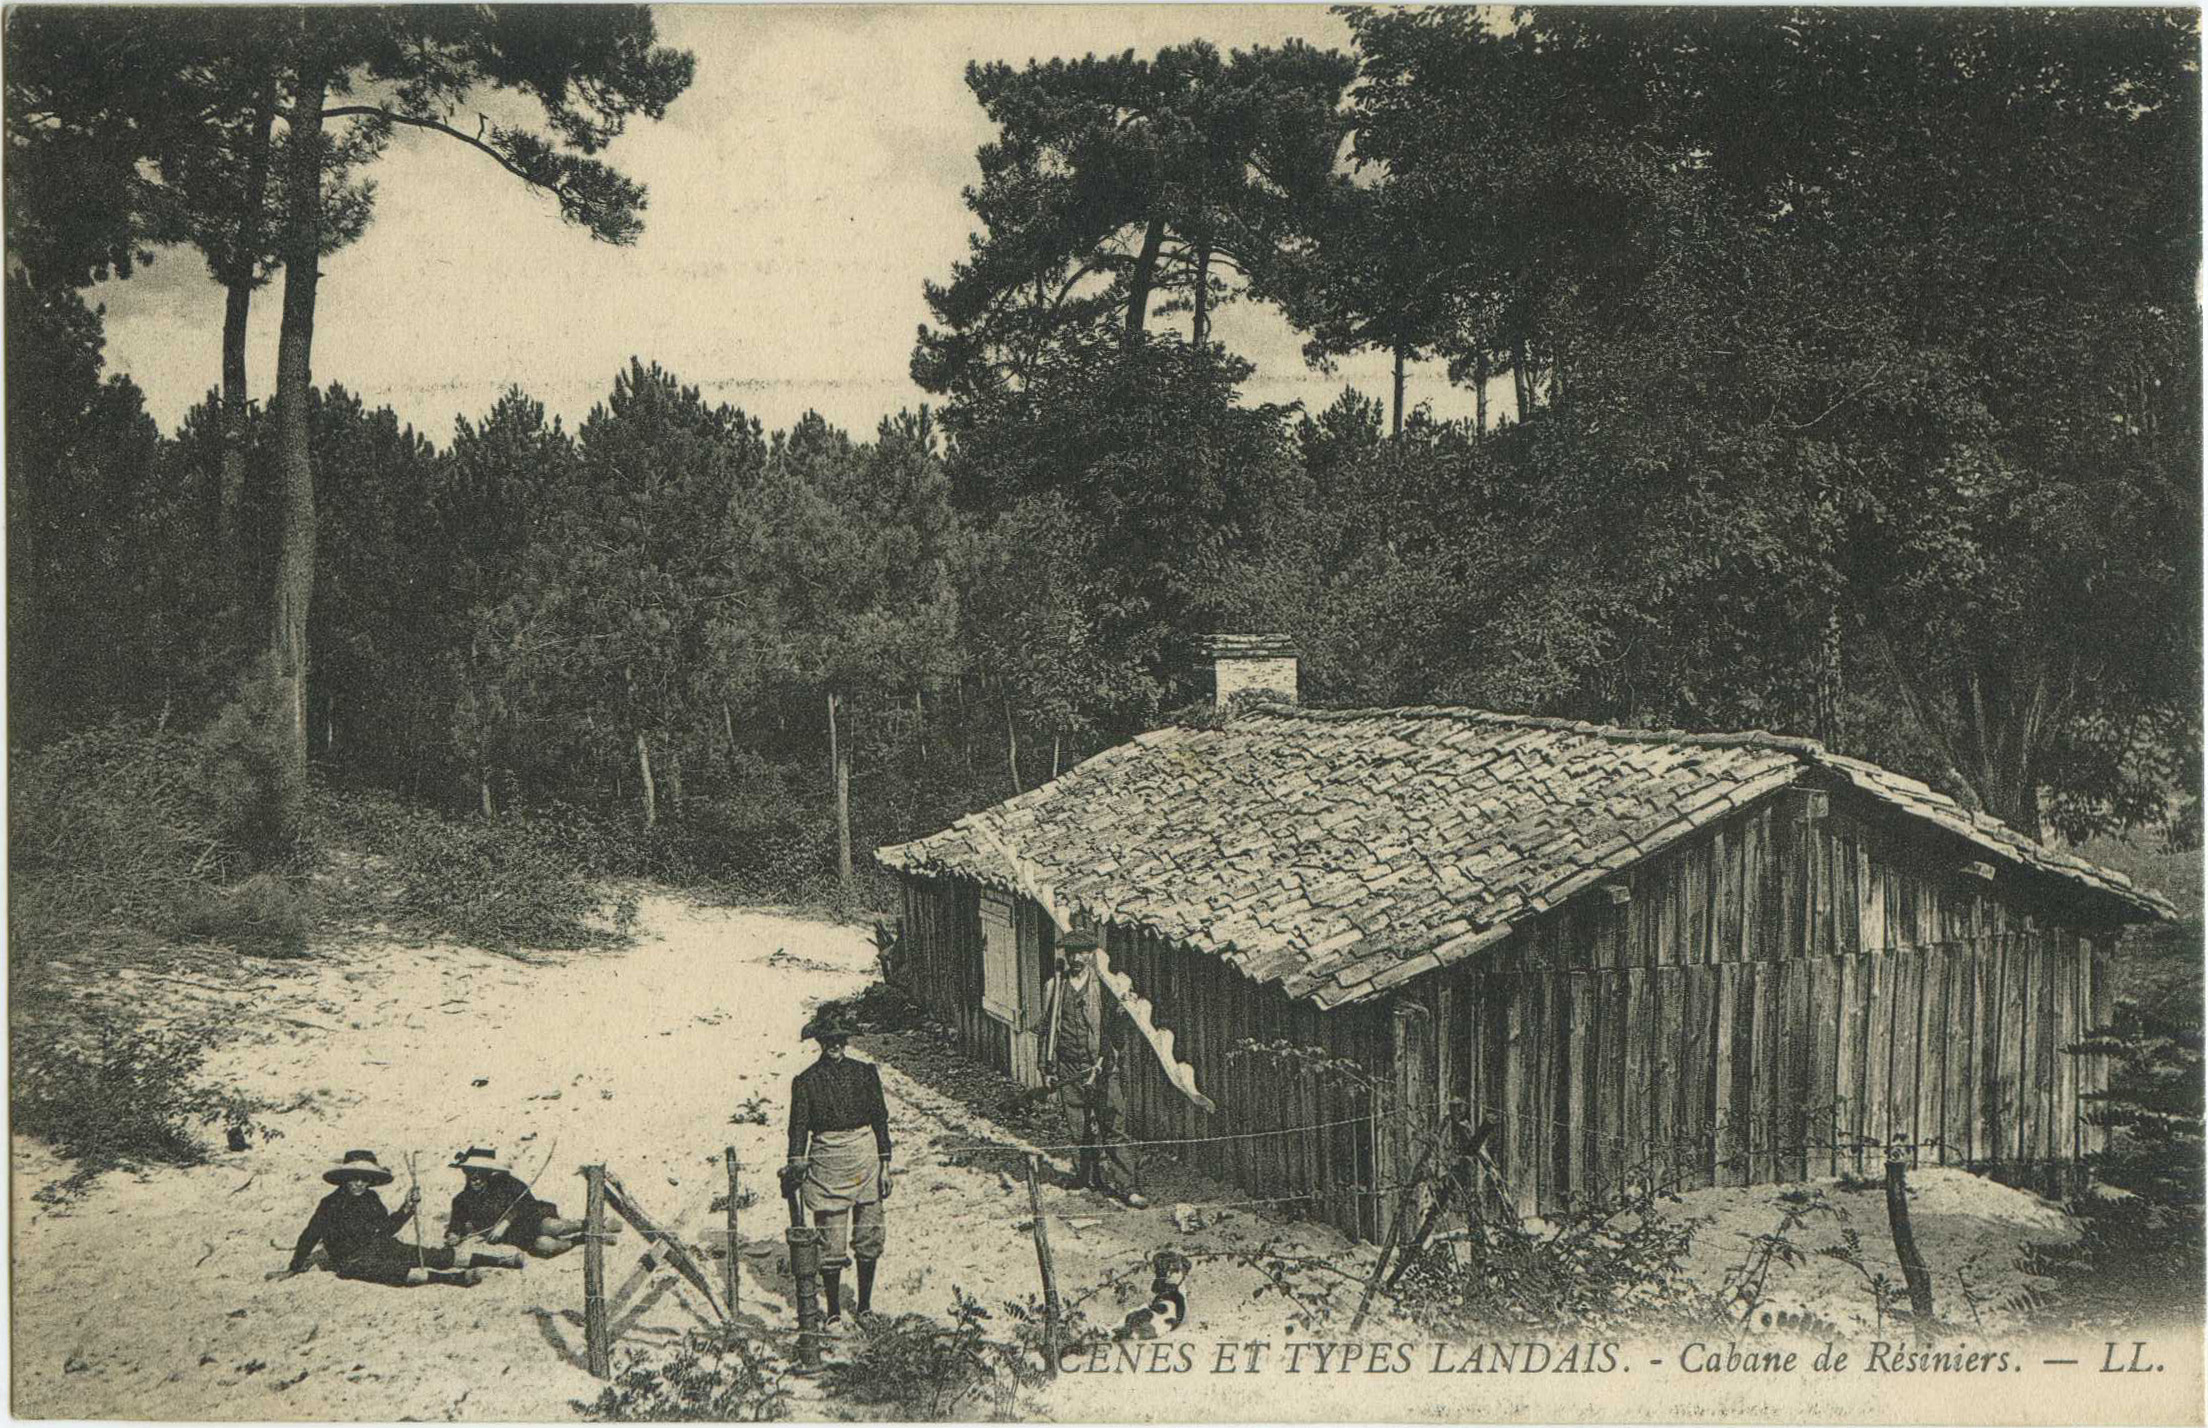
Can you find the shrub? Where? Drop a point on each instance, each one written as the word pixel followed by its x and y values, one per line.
pixel 116 1094
pixel 2153 1107
pixel 111 828
pixel 1607 1260
pixel 716 1376
pixel 244 778
pixel 264 915
pixel 925 1370
pixel 497 885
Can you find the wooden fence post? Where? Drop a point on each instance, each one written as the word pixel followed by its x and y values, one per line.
pixel 735 1260
pixel 1411 1088
pixel 597 1332
pixel 1050 1279
pixel 1913 1271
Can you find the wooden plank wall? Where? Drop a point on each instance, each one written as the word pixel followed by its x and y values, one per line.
pixel 1212 1010
pixel 1774 993
pixel 940 964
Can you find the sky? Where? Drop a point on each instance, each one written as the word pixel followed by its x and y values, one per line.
pixel 800 193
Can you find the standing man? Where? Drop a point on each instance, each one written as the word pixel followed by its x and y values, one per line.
pixel 1085 1066
pixel 839 1158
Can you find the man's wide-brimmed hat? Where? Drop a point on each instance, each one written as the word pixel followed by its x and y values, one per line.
pixel 830 1023
pixel 357 1165
pixel 1079 940
pixel 477 1157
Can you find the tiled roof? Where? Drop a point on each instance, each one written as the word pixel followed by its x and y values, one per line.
pixel 1342 852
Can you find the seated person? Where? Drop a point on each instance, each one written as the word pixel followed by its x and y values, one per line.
pixel 363 1237
pixel 496 1208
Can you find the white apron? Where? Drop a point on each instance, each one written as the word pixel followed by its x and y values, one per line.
pixel 843 1169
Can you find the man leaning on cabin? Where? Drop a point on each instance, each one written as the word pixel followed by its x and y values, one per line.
pixel 1085 1066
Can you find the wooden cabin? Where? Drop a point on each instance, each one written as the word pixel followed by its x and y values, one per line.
pixel 1709 959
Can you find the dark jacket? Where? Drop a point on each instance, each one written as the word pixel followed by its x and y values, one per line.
pixel 834 1096
pixel 349 1225
pixel 498 1196
pixel 1078 1041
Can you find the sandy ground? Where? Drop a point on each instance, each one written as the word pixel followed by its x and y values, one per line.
pixel 148 1298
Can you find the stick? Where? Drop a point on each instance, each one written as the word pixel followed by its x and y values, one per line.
pixel 1913 1271
pixel 678 1255
pixel 1042 1260
pixel 735 1240
pixel 1449 1184
pixel 555 1150
pixel 596 1336
pixel 414 1188
pixel 1395 1232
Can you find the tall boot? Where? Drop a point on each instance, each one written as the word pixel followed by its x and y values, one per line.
pixel 866 1286
pixel 831 1281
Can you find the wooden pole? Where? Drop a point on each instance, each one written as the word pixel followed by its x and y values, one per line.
pixel 735 1260
pixel 804 1244
pixel 1913 1271
pixel 1395 1229
pixel 597 1332
pixel 839 768
pixel 1050 1278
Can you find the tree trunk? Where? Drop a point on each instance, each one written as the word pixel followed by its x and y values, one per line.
pixel 1011 742
pixel 1827 679
pixel 1521 379
pixel 1398 426
pixel 651 791
pixel 728 726
pixel 294 582
pixel 483 782
pixel 237 307
pixel 1479 391
pixel 674 780
pixel 1057 745
pixel 1200 326
pixel 840 771
pixel 1143 279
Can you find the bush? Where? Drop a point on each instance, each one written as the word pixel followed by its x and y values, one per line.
pixel 925 1370
pixel 717 1376
pixel 1608 1260
pixel 497 885
pixel 115 1094
pixel 264 915
pixel 112 827
pixel 244 777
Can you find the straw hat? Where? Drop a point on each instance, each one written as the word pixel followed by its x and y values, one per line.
pixel 357 1165
pixel 832 1022
pixel 477 1157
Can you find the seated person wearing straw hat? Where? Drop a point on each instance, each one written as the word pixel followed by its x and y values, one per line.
pixel 839 1158
pixel 496 1208
pixel 363 1237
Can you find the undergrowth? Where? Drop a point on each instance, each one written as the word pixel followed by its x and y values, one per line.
pixel 517 882
pixel 110 1094
pixel 717 1375
pixel 919 1369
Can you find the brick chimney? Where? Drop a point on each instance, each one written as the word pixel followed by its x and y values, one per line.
pixel 1247 665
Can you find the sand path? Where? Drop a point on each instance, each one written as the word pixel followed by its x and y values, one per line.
pixel 147 1297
